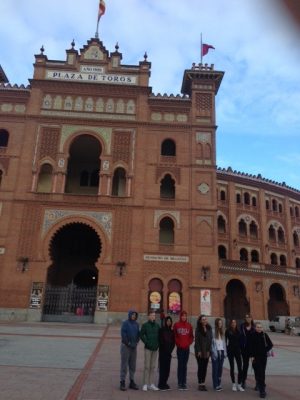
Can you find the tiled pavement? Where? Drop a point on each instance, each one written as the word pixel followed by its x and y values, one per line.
pixel 45 361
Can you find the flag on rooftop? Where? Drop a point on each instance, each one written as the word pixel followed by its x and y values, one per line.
pixel 101 10
pixel 205 49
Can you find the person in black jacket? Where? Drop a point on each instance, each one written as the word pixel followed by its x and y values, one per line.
pixel 260 344
pixel 203 342
pixel 232 336
pixel 247 329
pixel 166 346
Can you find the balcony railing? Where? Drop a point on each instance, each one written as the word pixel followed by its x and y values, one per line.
pixel 258 267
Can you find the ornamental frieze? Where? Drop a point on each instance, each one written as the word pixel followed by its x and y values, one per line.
pixel 51 217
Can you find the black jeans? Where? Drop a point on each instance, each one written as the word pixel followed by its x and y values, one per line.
pixel 183 358
pixel 245 357
pixel 164 368
pixel 259 365
pixel 202 369
pixel 238 358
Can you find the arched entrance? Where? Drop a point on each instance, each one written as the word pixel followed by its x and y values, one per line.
pixel 236 304
pixel 71 289
pixel 277 304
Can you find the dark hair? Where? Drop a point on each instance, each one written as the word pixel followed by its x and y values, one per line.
pixel 230 328
pixel 200 326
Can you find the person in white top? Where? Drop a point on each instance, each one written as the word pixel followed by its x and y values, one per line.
pixel 218 354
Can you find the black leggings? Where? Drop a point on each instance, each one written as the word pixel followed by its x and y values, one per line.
pixel 246 358
pixel 202 369
pixel 238 358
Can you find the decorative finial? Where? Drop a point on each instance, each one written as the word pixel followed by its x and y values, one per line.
pixel 73 44
pixel 117 46
pixel 145 56
pixel 42 50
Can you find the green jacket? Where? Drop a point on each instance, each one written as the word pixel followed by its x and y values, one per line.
pixel 149 335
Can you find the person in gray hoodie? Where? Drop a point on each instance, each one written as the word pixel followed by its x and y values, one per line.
pixel 130 336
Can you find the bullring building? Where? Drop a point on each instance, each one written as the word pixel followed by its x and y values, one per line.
pixel 110 198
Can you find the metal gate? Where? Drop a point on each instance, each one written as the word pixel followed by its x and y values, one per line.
pixel 69 303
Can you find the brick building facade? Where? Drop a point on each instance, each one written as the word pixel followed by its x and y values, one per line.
pixel 110 198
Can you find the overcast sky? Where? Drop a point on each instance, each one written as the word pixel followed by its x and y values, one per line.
pixel 258 104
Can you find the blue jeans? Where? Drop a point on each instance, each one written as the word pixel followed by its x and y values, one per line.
pixel 217 369
pixel 183 358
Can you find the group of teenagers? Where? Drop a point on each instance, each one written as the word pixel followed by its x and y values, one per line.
pixel 242 345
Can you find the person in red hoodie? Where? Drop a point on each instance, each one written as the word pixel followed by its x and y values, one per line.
pixel 184 337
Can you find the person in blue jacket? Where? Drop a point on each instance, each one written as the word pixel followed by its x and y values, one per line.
pixel 130 336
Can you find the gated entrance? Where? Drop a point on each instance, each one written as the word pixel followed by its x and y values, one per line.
pixel 71 289
pixel 69 304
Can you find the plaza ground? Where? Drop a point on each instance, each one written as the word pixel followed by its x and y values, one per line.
pixel 48 361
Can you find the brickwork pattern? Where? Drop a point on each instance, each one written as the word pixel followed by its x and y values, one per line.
pixel 49 143
pixel 121 147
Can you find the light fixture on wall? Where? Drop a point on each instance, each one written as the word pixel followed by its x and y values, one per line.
pixel 120 268
pixel 205 273
pixel 23 264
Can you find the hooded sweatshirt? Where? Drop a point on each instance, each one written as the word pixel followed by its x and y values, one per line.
pixel 130 332
pixel 183 331
pixel 166 337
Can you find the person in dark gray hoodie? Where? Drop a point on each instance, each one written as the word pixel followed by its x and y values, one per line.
pixel 130 336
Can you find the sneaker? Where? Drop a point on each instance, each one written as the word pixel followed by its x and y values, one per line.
pixel 219 389
pixel 262 395
pixel 240 388
pixel 168 387
pixel 122 386
pixel 153 387
pixel 133 385
pixel 162 388
pixel 184 387
pixel 243 384
pixel 234 387
pixel 180 387
pixel 145 388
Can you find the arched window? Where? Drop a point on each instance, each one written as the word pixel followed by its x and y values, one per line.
pixel 238 198
pixel 267 205
pixel 119 182
pixel 297 212
pixel 84 178
pixel 221 224
pixel 247 198
pixel 167 187
pixel 44 184
pixel 243 255
pixel 291 211
pixel 168 148
pixel 296 239
pixel 1 174
pixel 254 201
pixel 274 260
pixel 280 235
pixel 166 231
pixel 297 262
pixel 242 228
pixel 282 259
pixel 222 195
pixel 254 256
pixel 272 234
pixel 174 296
pixel 222 251
pixel 155 295
pixel 280 207
pixel 274 205
pixel 3 138
pixel 95 178
pixel 253 230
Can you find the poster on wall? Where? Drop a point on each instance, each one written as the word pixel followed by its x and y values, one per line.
pixel 102 298
pixel 36 295
pixel 205 302
pixel 155 299
pixel 174 305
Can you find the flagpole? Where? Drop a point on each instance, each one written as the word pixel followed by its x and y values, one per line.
pixel 201 46
pixel 97 29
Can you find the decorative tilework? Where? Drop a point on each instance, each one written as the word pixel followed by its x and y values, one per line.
pixel 51 217
pixel 103 133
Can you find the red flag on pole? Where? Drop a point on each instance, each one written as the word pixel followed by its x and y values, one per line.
pixel 205 49
pixel 101 10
